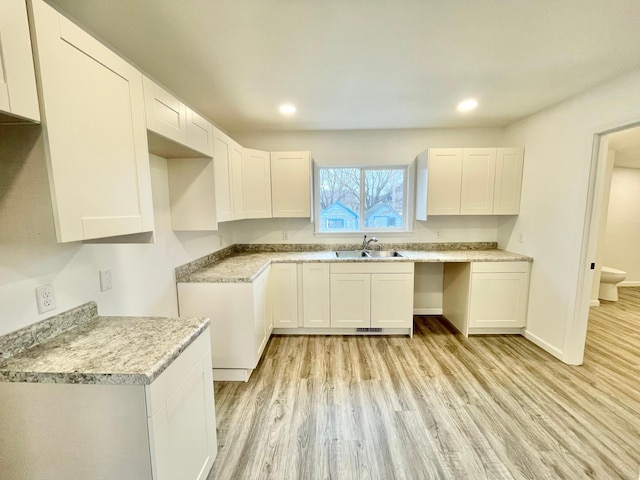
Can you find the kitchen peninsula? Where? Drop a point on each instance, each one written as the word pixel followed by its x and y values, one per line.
pixel 107 397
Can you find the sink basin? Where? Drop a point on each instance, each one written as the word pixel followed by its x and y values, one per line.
pixel 366 253
pixel 383 253
pixel 350 254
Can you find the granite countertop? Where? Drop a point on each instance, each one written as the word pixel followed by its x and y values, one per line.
pixel 245 267
pixel 105 350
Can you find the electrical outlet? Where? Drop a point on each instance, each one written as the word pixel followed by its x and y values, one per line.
pixel 521 237
pixel 105 280
pixel 46 298
pixel 285 235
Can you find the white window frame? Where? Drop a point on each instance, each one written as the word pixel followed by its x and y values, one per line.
pixel 404 228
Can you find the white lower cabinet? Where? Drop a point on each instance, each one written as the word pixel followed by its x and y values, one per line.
pixel 391 300
pixel 283 294
pixel 240 322
pixel 162 431
pixel 350 300
pixel 372 295
pixel 316 306
pixel 486 297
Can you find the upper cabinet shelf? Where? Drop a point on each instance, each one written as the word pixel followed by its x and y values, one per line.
pixel 94 132
pixel 18 95
pixel 469 181
pixel 175 131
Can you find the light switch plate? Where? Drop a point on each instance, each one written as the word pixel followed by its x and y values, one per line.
pixel 105 280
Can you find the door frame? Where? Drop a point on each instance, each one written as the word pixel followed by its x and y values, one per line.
pixel 576 329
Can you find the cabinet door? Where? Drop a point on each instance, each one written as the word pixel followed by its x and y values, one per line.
pixel 199 133
pixel 350 300
pixel 445 181
pixel 392 300
pixel 509 163
pixel 261 314
pixel 478 178
pixel 498 299
pixel 257 183
pixel 222 176
pixel 315 295
pixel 183 431
pixel 166 115
pixel 283 284
pixel 291 184
pixel 237 181
pixel 94 131
pixel 18 95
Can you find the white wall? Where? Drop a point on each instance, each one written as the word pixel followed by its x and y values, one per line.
pixel 621 243
pixel 558 149
pixel 370 147
pixel 143 276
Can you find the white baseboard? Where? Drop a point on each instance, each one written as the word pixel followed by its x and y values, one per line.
pixel 231 374
pixel 629 283
pixel 543 345
pixel 594 303
pixel 427 311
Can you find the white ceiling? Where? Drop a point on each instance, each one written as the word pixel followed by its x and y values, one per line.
pixel 368 64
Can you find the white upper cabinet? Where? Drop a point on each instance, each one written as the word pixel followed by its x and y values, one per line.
pixel 94 132
pixel 509 164
pixel 222 176
pixel 175 131
pixel 257 183
pixel 291 184
pixel 18 95
pixel 478 177
pixel 166 115
pixel 468 181
pixel 445 181
pixel 199 133
pixel 237 181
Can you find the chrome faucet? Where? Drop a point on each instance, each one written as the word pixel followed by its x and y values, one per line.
pixel 365 242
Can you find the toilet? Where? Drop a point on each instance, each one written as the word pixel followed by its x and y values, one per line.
pixel 609 280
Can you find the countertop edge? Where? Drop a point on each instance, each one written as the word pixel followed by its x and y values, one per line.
pixel 412 256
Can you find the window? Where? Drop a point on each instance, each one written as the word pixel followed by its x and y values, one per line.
pixel 346 192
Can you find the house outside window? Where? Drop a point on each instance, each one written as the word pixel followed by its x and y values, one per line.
pixel 345 192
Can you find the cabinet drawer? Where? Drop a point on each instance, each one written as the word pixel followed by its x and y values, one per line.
pixel 365 267
pixel 477 267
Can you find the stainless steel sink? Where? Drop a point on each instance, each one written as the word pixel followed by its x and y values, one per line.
pixel 366 253
pixel 350 254
pixel 383 253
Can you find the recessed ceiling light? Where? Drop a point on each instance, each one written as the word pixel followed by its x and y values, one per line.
pixel 467 105
pixel 287 109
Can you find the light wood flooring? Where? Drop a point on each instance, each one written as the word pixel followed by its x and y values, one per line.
pixel 437 406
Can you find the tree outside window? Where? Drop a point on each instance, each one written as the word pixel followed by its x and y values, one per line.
pixel 346 192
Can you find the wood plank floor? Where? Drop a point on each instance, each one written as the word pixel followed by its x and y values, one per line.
pixel 437 406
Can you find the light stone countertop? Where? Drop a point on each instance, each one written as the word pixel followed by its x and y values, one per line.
pixel 106 350
pixel 245 267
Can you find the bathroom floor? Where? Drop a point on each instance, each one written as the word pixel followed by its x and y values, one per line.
pixel 438 406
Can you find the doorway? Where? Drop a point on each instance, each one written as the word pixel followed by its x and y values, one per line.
pixel 602 165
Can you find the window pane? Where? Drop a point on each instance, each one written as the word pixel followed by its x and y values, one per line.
pixel 339 199
pixel 384 197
